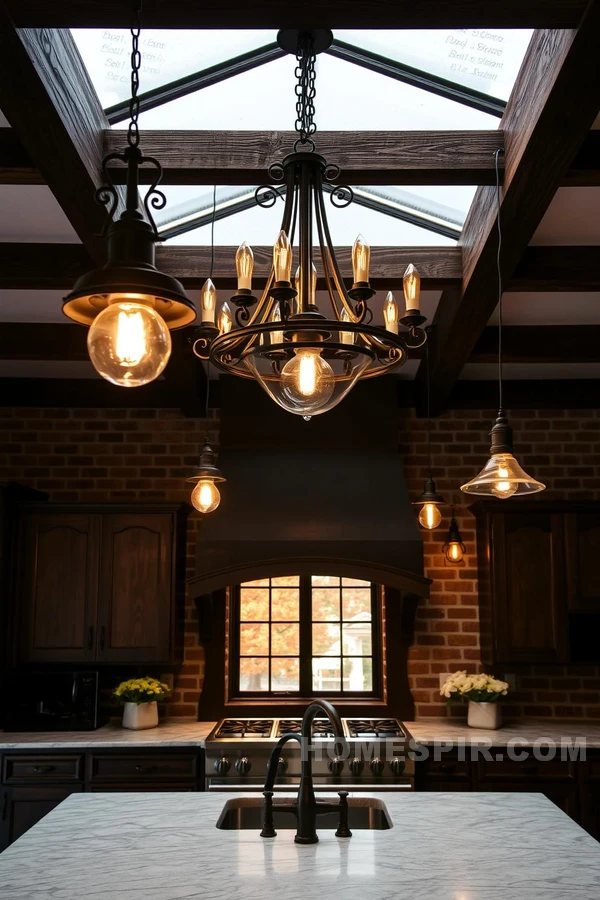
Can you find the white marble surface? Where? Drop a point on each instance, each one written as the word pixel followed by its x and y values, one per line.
pixel 528 731
pixel 166 847
pixel 170 733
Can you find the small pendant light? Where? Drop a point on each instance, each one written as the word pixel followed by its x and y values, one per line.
pixel 454 547
pixel 502 476
pixel 429 501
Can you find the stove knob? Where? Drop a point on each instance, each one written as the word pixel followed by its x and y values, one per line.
pixel 243 765
pixel 335 766
pixel 356 765
pixel 282 765
pixel 377 766
pixel 222 766
pixel 397 766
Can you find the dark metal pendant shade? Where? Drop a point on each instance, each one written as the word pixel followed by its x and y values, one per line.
pixel 430 494
pixel 207 468
pixel 130 272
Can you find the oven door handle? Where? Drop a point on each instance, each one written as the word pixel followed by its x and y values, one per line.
pixel 327 788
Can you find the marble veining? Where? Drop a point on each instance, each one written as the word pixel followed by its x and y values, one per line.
pixel 427 731
pixel 166 847
pixel 170 733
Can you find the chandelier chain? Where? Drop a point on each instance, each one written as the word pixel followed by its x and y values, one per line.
pixel 133 132
pixel 305 89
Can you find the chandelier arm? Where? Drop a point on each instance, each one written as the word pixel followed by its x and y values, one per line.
pixel 337 277
pixel 325 257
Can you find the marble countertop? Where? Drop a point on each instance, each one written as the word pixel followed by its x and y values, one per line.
pixel 170 733
pixel 166 847
pixel 524 732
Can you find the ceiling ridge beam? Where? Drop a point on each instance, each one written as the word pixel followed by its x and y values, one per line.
pixel 539 344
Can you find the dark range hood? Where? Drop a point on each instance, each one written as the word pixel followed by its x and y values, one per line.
pixel 331 490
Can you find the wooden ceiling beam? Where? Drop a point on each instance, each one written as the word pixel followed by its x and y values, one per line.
pixel 539 344
pixel 544 129
pixel 274 14
pixel 48 98
pixel 556 269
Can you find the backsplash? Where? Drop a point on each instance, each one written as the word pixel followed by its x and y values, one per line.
pixel 117 454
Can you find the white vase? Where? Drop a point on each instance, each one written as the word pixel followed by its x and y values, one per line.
pixel 484 715
pixel 140 715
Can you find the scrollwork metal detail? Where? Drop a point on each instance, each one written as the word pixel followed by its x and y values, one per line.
pixel 266 196
pixel 341 196
pixel 276 173
pixel 331 172
pixel 242 315
pixel 154 198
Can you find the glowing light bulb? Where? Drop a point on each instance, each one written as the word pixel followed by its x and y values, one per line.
pixel 307 381
pixel 282 258
pixel 244 264
pixel 209 301
pixel 225 320
pixel 129 343
pixel 361 257
pixel 205 496
pixel 412 288
pixel 503 487
pixel 276 336
pixel 430 516
pixel 390 313
pixel 346 337
pixel 454 552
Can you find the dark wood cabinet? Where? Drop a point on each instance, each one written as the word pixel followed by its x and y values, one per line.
pixel 100 584
pixel 539 582
pixel 24 805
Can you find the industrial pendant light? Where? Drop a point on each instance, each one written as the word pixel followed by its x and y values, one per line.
pixel 502 476
pixel 429 501
pixel 454 548
pixel 305 359
pixel 128 304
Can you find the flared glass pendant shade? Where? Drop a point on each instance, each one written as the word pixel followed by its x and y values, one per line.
pixel 502 477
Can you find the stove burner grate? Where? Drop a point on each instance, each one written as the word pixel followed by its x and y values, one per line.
pixel 320 727
pixel 380 728
pixel 245 728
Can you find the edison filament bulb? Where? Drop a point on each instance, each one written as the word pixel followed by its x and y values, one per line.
pixel 308 380
pixel 205 496
pixel 430 516
pixel 129 343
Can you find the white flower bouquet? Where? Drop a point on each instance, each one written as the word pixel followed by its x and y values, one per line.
pixel 477 688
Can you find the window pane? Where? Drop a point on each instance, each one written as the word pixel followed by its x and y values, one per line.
pixel 285 674
pixel 355 582
pixel 324 581
pixel 356 603
pixel 285 639
pixel 261 582
pixel 326 604
pixel 285 604
pixel 254 640
pixel 326 640
pixel 357 639
pixel 254 674
pixel 358 674
pixel 254 605
pixel 327 673
pixel 286 581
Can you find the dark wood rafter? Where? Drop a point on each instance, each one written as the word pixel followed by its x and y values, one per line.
pixel 16 166
pixel 47 96
pixel 555 269
pixel 539 344
pixel 543 129
pixel 273 14
pixel 56 266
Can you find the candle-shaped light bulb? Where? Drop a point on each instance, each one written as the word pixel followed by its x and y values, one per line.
pixel 361 256
pixel 412 288
pixel 282 258
pixel 244 264
pixel 276 336
pixel 209 301
pixel 390 313
pixel 346 337
pixel 225 320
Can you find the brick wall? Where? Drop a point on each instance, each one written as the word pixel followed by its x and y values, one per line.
pixel 103 455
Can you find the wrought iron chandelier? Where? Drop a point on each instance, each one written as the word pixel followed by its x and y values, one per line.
pixel 305 359
pixel 129 305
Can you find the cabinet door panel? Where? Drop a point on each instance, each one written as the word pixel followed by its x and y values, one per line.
pixel 529 584
pixel 135 588
pixel 23 807
pixel 583 553
pixel 59 569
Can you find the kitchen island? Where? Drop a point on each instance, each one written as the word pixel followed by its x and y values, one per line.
pixel 167 847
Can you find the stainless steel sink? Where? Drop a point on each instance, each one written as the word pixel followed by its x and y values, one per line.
pixel 365 813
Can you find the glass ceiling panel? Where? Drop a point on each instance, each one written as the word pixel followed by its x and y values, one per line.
pixel 483 59
pixel 166 55
pixel 349 98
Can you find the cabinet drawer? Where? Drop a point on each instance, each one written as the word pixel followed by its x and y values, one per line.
pixel 529 770
pixel 18 769
pixel 154 787
pixel 146 767
pixel 445 769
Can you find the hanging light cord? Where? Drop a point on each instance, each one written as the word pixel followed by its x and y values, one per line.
pixel 133 131
pixel 499 271
pixel 428 410
pixel 212 266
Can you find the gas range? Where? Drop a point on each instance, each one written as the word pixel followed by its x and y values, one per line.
pixel 376 754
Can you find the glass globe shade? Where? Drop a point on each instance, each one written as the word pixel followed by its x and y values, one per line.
pixel 307 381
pixel 502 477
pixel 430 516
pixel 206 496
pixel 129 343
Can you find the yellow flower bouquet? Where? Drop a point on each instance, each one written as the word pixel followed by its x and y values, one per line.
pixel 141 690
